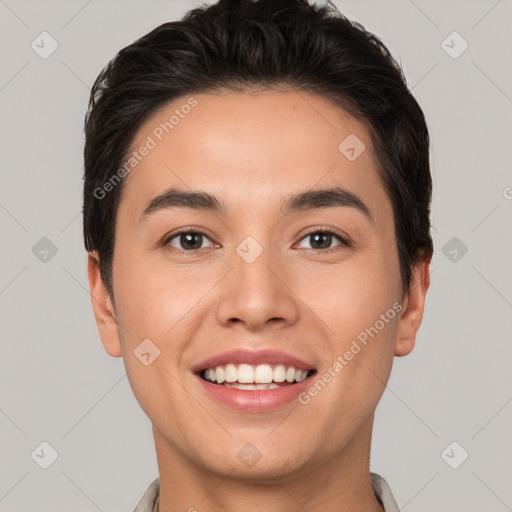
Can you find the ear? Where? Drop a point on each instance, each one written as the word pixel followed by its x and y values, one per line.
pixel 103 308
pixel 413 305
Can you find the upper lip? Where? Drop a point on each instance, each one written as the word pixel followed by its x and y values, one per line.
pixel 256 357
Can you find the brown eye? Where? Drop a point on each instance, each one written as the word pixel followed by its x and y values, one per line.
pixel 322 240
pixel 187 241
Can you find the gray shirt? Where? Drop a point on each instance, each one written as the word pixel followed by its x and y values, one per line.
pixel 379 485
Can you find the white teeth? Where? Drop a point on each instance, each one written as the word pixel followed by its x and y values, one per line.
pixel 220 375
pixel 290 374
pixel 231 373
pixel 279 373
pixel 252 387
pixel 245 374
pixel 264 374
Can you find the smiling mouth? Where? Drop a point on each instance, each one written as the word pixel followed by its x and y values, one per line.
pixel 255 377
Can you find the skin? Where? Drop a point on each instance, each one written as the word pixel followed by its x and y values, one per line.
pixel 252 150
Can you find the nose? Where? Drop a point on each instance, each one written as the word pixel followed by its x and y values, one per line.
pixel 258 294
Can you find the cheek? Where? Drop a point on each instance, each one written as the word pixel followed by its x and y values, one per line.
pixel 152 307
pixel 357 353
pixel 360 316
pixel 159 302
pixel 358 304
pixel 359 311
pixel 138 307
pixel 353 296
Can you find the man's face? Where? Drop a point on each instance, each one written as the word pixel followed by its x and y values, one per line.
pixel 257 279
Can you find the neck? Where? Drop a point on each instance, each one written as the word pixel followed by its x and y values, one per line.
pixel 341 483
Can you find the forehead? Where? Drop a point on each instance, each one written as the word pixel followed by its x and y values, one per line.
pixel 250 147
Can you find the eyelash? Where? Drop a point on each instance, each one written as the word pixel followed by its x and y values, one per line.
pixel 326 231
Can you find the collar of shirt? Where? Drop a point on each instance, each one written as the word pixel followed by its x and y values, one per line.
pixel 379 485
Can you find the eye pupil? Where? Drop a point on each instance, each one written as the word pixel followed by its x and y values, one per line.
pixel 185 239
pixel 327 237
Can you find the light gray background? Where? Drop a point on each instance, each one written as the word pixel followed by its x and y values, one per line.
pixel 58 384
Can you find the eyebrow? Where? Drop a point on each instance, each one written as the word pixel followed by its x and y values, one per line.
pixel 309 200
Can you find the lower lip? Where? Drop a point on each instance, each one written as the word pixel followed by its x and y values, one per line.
pixel 259 400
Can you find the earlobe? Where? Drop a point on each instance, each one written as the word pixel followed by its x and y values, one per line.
pixel 413 307
pixel 103 308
